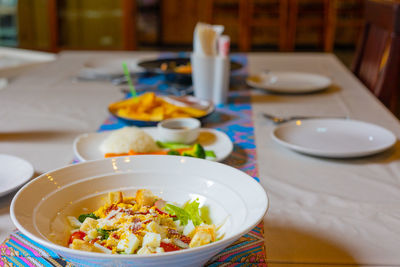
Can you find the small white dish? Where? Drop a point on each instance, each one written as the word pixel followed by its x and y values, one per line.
pixel 86 146
pixel 16 58
pixel 334 138
pixel 179 130
pixel 289 82
pixel 106 68
pixel 14 172
pixel 235 200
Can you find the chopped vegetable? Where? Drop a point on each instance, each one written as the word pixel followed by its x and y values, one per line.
pixel 190 211
pixel 205 214
pixel 169 246
pixel 143 224
pixel 197 151
pixel 192 208
pixel 175 149
pixel 210 154
pixel 160 203
pixel 171 145
pixel 133 153
pixel 76 235
pixel 104 233
pixel 174 153
pixel 83 217
pixel 180 213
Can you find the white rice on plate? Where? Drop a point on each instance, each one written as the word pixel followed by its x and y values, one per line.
pixel 126 139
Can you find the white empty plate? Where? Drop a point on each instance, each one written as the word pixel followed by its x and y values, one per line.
pixel 334 138
pixel 14 172
pixel 289 82
pixel 86 146
pixel 106 68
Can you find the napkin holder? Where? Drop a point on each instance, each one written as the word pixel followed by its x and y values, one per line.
pixel 210 76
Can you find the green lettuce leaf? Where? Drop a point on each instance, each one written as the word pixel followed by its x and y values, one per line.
pixel 192 208
pixel 190 211
pixel 210 154
pixel 172 145
pixel 205 214
pixel 104 233
pixel 180 213
pixel 82 217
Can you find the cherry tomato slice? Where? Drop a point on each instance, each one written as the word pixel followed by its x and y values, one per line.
pixel 169 247
pixel 76 235
pixel 186 239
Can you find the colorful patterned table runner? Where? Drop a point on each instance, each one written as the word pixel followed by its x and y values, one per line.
pixel 235 119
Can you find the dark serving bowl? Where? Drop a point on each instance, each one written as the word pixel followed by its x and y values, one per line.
pixel 169 71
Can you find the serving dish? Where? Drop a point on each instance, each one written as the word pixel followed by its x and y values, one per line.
pixel 234 198
pixel 168 65
pixel 183 101
pixel 86 146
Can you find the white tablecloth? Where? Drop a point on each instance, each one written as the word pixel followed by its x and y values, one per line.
pixel 322 211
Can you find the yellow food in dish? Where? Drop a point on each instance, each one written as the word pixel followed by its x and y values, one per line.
pixel 184 69
pixel 149 107
pixel 144 224
pixel 255 79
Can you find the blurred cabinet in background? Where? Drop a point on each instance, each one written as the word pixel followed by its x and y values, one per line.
pixel 90 24
pixel 53 25
pixel 33 25
pixel 286 25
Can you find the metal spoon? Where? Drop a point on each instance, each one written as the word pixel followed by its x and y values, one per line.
pixel 278 120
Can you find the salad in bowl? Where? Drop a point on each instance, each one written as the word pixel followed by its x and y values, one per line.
pixel 145 210
pixel 144 224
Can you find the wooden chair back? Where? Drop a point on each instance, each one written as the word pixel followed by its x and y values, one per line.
pixel 322 13
pixel 377 59
pixel 248 21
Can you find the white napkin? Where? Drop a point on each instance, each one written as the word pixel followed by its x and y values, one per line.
pixel 205 39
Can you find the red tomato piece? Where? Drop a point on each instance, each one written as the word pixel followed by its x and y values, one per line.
pixel 186 239
pixel 169 247
pixel 76 235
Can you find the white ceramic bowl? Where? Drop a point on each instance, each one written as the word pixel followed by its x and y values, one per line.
pixel 179 130
pixel 40 208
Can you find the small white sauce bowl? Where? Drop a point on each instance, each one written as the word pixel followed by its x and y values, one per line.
pixel 180 130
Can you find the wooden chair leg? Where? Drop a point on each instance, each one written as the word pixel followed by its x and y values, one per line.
pixel 330 10
pixel 292 25
pixel 129 24
pixel 53 25
pixel 244 26
pixel 283 24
